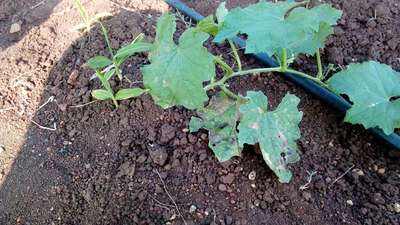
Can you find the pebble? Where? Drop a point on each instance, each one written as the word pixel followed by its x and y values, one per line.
pixel 358 172
pixel 73 77
pixel 228 179
pixel 141 159
pixel 381 171
pixel 377 199
pixel 307 196
pixel 252 175
pixel 350 202
pixel 159 156
pixel 228 220
pixel 15 28
pixel 396 207
pixel 167 133
pixel 192 209
pixel 222 187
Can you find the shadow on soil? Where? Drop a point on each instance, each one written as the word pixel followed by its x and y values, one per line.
pixel 54 163
pixel 25 13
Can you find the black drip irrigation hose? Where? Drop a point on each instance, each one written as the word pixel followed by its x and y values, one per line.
pixel 323 94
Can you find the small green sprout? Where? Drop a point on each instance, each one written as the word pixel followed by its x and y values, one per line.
pixel 87 20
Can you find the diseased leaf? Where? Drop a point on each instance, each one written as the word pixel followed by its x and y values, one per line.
pixel 101 94
pixel 373 88
pixel 276 131
pixel 270 27
pixel 129 93
pixel 98 62
pixel 176 73
pixel 220 118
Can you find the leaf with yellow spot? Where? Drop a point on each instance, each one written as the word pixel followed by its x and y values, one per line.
pixel 276 131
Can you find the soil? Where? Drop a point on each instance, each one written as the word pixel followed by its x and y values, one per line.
pixel 139 165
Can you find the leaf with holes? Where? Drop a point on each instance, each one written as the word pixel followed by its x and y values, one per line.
pixel 374 89
pixel 220 118
pixel 177 72
pixel 276 131
pixel 273 26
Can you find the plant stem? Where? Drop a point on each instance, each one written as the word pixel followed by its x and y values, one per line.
pixel 298 4
pixel 222 81
pixel 228 70
pixel 284 60
pixel 230 94
pixel 117 71
pixel 105 33
pixel 115 103
pixel 301 74
pixel 320 74
pixel 235 53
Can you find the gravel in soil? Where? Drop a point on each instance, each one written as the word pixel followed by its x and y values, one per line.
pixel 138 164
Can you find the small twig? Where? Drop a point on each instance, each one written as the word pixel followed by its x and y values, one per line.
pixel 160 203
pixel 37 5
pixel 309 179
pixel 341 176
pixel 170 197
pixel 6 109
pixel 83 105
pixel 45 128
pixel 51 99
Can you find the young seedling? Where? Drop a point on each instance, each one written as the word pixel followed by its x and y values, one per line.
pixel 107 93
pixel 88 21
pixel 180 74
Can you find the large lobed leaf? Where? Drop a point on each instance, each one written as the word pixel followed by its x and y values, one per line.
pixel 220 119
pixel 275 131
pixel 373 88
pixel 177 72
pixel 270 27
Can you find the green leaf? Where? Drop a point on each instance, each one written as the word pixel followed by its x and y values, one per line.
pixel 102 94
pixel 98 62
pixel 276 131
pixel 220 118
pixel 373 88
pixel 129 93
pixel 195 124
pixel 176 73
pixel 131 49
pixel 208 25
pixel 102 77
pixel 109 74
pixel 221 13
pixel 270 29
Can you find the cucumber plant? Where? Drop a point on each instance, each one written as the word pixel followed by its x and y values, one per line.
pixel 181 74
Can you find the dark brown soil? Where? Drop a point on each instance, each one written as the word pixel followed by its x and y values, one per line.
pixel 131 165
